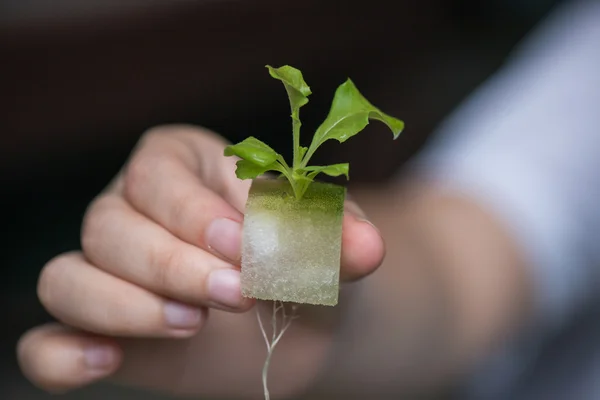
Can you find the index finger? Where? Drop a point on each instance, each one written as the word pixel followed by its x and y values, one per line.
pixel 168 183
pixel 186 192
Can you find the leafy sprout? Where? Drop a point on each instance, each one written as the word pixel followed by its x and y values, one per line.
pixel 349 114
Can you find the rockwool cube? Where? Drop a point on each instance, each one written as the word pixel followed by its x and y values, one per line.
pixel 292 248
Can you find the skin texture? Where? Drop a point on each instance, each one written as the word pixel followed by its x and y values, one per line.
pixel 154 300
pixel 452 288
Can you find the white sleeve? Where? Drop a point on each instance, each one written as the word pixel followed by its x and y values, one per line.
pixel 527 145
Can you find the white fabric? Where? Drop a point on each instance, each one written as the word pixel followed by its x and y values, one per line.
pixel 527 146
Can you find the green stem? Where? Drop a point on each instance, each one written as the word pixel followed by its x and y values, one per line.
pixel 296 133
pixel 289 174
pixel 302 189
pixel 307 156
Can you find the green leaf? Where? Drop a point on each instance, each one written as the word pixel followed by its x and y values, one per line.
pixel 298 91
pixel 248 170
pixel 253 150
pixel 349 114
pixel 303 151
pixel 331 170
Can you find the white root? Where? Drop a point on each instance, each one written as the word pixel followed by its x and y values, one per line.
pixel 278 312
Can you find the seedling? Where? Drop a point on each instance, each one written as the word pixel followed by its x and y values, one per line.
pixel 292 231
pixel 349 114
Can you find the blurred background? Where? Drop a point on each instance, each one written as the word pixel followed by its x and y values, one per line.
pixel 81 80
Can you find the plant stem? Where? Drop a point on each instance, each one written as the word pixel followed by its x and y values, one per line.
pixel 289 174
pixel 296 134
pixel 286 321
pixel 307 156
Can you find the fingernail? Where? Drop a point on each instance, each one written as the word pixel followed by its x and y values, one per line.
pixel 359 214
pixel 224 236
pixel 180 316
pixel 355 210
pixel 224 287
pixel 99 356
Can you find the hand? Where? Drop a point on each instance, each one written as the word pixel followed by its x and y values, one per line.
pixel 161 246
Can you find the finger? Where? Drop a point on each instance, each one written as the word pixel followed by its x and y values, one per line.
pixel 117 239
pixel 85 297
pixel 181 192
pixel 57 359
pixel 363 248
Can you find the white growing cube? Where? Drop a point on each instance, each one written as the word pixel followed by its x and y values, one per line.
pixel 292 248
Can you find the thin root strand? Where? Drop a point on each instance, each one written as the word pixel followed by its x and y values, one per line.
pixel 279 312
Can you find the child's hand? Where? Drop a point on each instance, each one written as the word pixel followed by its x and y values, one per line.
pixel 160 247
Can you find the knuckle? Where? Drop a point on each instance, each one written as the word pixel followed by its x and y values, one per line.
pixel 158 132
pixel 144 160
pixel 50 277
pixel 94 221
pixel 167 262
pixel 180 207
pixel 137 172
pixel 165 136
pixel 173 131
pixel 143 168
pixel 162 152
